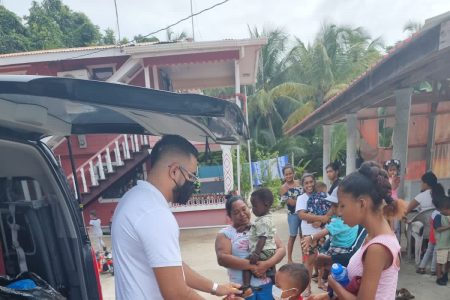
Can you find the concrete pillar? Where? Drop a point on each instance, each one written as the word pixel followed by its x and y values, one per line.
pixel 326 152
pixel 352 135
pixel 155 78
pixel 237 87
pixel 401 131
pixel 227 160
pixel 147 77
pixel 431 147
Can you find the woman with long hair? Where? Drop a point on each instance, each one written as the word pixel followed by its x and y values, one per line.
pixel 365 199
pixel 289 192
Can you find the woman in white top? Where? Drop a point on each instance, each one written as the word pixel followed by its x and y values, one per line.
pixel 423 201
pixel 312 209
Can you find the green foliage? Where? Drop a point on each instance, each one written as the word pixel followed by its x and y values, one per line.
pixel 109 38
pixel 14 35
pixel 273 184
pixel 49 24
pixel 54 25
pixel 141 39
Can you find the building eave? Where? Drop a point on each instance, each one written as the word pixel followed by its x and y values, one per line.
pixel 425 54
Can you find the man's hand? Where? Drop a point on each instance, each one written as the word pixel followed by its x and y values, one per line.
pixel 254 258
pixel 229 290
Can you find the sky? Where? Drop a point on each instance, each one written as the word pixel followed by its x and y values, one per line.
pixel 300 18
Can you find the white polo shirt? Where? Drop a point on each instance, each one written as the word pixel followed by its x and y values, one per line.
pixel 145 235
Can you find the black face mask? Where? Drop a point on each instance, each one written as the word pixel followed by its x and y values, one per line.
pixel 181 194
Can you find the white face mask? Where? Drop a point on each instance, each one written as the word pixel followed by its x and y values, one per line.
pixel 277 293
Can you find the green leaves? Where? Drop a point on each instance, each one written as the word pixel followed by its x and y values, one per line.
pixel 50 24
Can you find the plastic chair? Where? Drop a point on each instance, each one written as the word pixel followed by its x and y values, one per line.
pixel 418 227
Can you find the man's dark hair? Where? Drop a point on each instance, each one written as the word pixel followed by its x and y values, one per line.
pixel 172 144
pixel 298 273
pixel 263 194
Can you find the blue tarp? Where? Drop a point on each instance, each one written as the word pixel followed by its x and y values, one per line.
pixel 271 168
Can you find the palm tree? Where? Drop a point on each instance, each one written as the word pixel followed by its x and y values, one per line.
pixel 337 56
pixel 268 110
pixel 271 63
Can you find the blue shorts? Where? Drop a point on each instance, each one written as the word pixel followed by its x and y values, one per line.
pixel 294 225
pixel 264 293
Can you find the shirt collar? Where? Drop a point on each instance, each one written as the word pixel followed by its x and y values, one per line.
pixel 147 185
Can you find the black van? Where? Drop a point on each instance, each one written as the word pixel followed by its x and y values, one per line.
pixel 41 226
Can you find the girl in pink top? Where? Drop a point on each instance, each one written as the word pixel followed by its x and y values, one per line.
pixel 365 199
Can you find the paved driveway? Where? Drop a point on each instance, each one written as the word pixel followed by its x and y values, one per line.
pixel 197 246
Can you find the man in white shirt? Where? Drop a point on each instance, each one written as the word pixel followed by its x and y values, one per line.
pixel 145 234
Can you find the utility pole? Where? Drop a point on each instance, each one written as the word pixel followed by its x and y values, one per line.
pixel 117 21
pixel 192 22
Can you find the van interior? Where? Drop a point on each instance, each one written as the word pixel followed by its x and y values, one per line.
pixel 35 234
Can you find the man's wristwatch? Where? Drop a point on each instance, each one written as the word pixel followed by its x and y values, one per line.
pixel 214 288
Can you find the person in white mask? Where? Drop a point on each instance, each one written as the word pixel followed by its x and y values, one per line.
pixel 290 282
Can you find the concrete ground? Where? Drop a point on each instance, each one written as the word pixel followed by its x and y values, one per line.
pixel 197 247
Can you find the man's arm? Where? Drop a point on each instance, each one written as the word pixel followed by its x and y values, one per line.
pixel 200 283
pixel 172 284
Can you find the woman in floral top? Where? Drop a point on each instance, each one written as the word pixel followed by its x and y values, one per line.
pixel 289 192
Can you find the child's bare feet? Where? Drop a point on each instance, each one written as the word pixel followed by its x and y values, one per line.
pixel 322 286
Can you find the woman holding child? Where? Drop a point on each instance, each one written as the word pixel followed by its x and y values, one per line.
pixel 233 251
pixel 365 199
pixel 312 208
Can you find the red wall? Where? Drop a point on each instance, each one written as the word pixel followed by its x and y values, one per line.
pixel 202 218
pixel 95 142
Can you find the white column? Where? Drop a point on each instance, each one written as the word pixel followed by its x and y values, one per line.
pixel 147 77
pixel 237 87
pixel 401 131
pixel 92 174
pixel 74 187
pixel 83 180
pixel 155 78
pixel 108 161
pixel 117 153
pixel 431 147
pixel 352 133
pixel 136 143
pixel 127 152
pixel 326 152
pixel 227 168
pixel 248 141
pixel 101 172
pixel 133 148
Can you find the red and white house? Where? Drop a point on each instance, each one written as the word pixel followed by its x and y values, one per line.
pixel 108 164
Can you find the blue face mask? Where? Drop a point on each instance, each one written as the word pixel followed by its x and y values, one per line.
pixel 277 293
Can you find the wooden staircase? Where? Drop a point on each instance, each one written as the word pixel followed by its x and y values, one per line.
pixel 109 164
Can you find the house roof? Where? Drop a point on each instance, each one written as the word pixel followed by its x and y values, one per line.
pixel 190 65
pixel 425 55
